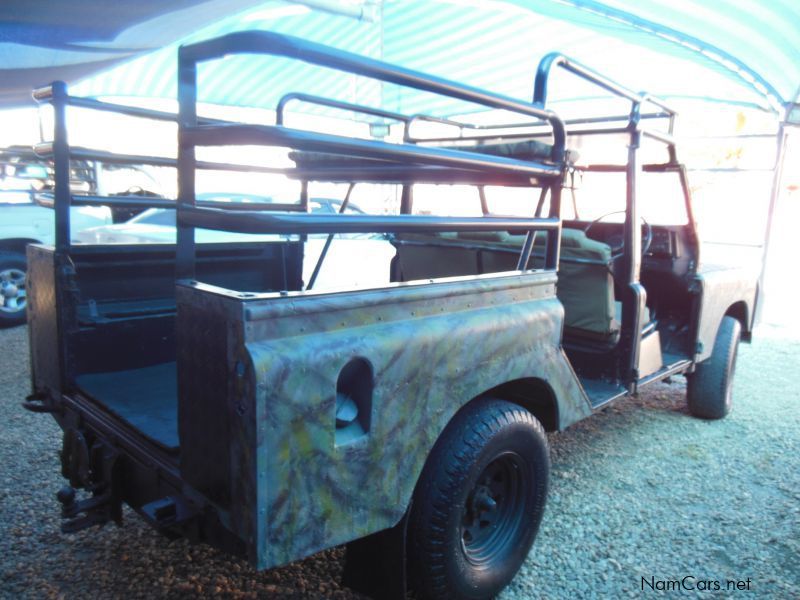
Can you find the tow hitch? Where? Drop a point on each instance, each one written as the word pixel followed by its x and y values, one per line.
pixel 92 468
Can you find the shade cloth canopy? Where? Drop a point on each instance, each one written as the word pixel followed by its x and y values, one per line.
pixel 737 51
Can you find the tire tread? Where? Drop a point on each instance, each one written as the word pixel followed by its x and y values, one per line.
pixel 14 260
pixel 707 387
pixel 463 441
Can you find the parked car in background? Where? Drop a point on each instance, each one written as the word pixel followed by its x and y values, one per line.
pixel 24 222
pixel 352 260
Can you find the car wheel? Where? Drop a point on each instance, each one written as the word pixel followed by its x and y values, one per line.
pixel 13 271
pixel 708 389
pixel 479 502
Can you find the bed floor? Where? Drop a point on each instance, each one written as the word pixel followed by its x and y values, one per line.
pixel 146 398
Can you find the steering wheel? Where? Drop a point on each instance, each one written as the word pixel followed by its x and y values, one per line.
pixel 618 248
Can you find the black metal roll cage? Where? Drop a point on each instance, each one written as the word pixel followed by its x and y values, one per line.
pixel 415 160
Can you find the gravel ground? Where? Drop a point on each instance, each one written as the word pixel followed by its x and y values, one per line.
pixel 641 490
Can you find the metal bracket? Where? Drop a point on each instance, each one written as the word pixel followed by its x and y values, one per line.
pixel 93 469
pixel 168 515
pixel 39 403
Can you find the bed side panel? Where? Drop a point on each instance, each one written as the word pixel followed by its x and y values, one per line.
pixel 431 350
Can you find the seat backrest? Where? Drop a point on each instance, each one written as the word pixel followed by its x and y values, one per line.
pixel 585 285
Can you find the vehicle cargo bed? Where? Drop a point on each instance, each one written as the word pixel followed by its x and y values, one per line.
pixel 146 398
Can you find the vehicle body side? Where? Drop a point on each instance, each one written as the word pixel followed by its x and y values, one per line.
pixel 431 347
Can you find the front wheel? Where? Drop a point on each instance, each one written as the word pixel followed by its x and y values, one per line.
pixel 479 502
pixel 708 389
pixel 13 269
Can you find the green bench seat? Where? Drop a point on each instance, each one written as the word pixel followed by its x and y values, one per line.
pixel 585 285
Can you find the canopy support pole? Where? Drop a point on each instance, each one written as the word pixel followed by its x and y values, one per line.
pixel 777 178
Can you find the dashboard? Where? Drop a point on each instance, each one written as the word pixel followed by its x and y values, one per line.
pixel 669 250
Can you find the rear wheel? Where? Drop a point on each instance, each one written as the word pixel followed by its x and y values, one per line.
pixel 479 502
pixel 708 389
pixel 13 298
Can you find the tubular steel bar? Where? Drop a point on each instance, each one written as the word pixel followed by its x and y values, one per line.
pixel 553 245
pixel 647 168
pixel 46 94
pixel 394 173
pixel 522 136
pixel 260 222
pixel 263 42
pixel 192 134
pixel 61 181
pixel 328 241
pixel 61 159
pixel 46 199
pixel 661 136
pixel 490 128
pixel 187 163
pixel 356 108
pixel 559 60
pixel 134 111
pixel 224 135
pixel 777 176
pixel 46 150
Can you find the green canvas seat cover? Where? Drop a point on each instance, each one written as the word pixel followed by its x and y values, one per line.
pixel 585 285
pixel 309 159
pixel 534 150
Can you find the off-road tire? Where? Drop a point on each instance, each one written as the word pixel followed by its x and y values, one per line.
pixel 708 389
pixel 11 265
pixel 478 503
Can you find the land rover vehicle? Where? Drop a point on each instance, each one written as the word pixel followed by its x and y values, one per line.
pixel 224 398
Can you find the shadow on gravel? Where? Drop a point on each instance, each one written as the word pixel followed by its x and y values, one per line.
pixel 639 491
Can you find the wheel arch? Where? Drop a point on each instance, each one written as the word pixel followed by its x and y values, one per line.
pixel 534 395
pixel 741 312
pixel 528 395
pixel 531 393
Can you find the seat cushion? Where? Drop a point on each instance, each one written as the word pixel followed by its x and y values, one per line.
pixel 534 150
pixel 585 284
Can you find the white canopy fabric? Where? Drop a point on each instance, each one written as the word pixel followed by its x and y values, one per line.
pixel 736 51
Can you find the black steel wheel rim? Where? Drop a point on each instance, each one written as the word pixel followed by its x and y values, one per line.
pixel 494 509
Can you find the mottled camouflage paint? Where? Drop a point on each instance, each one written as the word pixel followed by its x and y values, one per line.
pixel 433 347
